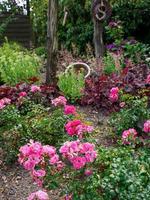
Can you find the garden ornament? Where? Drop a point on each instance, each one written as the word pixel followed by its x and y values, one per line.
pixel 79 66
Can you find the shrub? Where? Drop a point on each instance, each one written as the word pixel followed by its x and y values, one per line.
pixel 17 64
pixel 118 173
pixel 124 173
pixel 29 121
pixel 71 84
pixel 133 114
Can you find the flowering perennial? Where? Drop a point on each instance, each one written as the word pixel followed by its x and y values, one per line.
pixel 69 110
pixel 129 135
pixel 4 102
pixel 60 101
pixel 114 94
pixel 33 154
pixel 35 88
pixel 78 153
pixel 77 128
pixel 22 94
pixel 146 128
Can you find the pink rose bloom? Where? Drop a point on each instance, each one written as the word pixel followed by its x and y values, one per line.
pixel 114 94
pixel 74 153
pixel 64 149
pixel 87 147
pixel 35 88
pixel 22 94
pixel 74 146
pixel 122 104
pixel 114 90
pixel 128 135
pixel 60 101
pixel 146 128
pixel 39 195
pixel 60 165
pixel 2 105
pixel 49 150
pixel 54 159
pixel 89 129
pixel 69 110
pixel 88 172
pixel 148 79
pixel 90 156
pixel 71 127
pixel 6 101
pixel 25 150
pixel 29 164
pixel 78 162
pixel 39 173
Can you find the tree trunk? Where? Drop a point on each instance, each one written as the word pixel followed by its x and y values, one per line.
pixel 52 42
pixel 98 42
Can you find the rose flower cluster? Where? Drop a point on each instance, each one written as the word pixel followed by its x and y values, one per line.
pixel 33 155
pixel 78 153
pixel 77 128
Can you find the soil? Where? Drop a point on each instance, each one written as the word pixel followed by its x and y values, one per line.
pixel 16 183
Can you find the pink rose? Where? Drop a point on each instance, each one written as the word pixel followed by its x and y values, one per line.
pixel 54 159
pixel 60 101
pixel 39 173
pixel 122 104
pixel 22 94
pixel 148 79
pixel 49 150
pixel 78 162
pixel 69 110
pixel 39 195
pixel 129 135
pixel 6 101
pixel 2 105
pixel 29 164
pixel 35 88
pixel 146 128
pixel 88 172
pixel 114 94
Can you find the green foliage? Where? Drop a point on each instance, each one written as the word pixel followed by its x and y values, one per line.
pixel 29 121
pixel 112 63
pixel 132 115
pixel 17 64
pixel 136 52
pixel 109 64
pixel 71 84
pixel 41 51
pixel 78 29
pixel 39 20
pixel 135 17
pixel 115 33
pixel 124 173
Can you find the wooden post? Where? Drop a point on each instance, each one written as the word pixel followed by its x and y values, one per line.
pixel 28 8
pixel 52 42
pixel 101 10
pixel 98 42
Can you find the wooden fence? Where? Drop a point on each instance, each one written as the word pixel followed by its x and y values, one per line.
pixel 18 30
